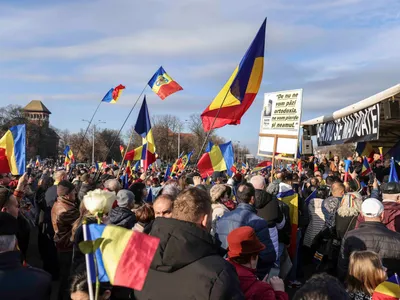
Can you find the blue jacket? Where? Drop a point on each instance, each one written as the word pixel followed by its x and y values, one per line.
pixel 246 215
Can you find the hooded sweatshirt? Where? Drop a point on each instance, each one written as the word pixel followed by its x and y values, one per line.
pixel 188 264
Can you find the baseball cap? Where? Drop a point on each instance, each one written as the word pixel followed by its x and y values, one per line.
pixel 372 207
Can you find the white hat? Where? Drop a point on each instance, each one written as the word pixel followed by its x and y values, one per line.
pixel 372 208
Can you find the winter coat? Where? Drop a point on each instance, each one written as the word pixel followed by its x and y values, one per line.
pixel 63 215
pixel 253 288
pixel 317 221
pixel 218 210
pixel 51 196
pixel 344 224
pixel 246 215
pixel 188 264
pixel 122 216
pixel 84 189
pixel 391 215
pixel 373 236
pixel 22 283
pixel 359 295
pixel 329 209
pixel 285 232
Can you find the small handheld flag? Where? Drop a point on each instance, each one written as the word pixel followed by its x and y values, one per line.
pixel 167 173
pixel 393 173
pixel 69 156
pixel 216 158
pixel 121 149
pixel 163 85
pixel 124 256
pixel 366 168
pixel 113 94
pixel 346 170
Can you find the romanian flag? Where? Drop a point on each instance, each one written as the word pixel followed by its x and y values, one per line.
pixel 233 168
pixel 37 164
pixel 347 164
pixel 163 85
pixel 241 89
pixel 178 161
pixel 115 163
pixel 366 168
pixel 128 168
pixel 183 161
pixel 167 173
pixel 365 149
pixel 262 166
pixel 315 167
pixel 389 289
pixel 121 149
pixel 69 155
pixel 124 257
pixel 113 94
pixel 12 151
pixel 143 128
pixel 291 199
pixel 216 158
pixel 136 166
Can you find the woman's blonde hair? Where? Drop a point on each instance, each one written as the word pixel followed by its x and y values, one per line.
pixel 365 272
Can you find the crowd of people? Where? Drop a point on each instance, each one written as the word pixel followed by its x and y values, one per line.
pixel 224 237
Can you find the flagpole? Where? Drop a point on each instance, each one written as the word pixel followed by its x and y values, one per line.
pixel 212 125
pixel 123 158
pixel 88 273
pixel 87 128
pixel 126 119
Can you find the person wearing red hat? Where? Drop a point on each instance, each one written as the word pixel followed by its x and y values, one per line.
pixel 243 250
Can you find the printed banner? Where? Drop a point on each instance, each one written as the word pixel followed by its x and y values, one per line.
pixel 281 115
pixel 361 126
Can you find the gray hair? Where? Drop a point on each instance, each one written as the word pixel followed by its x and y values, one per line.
pixel 171 190
pixel 60 175
pixel 112 185
pixel 7 243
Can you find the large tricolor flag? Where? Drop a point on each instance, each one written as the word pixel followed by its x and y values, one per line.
pixel 113 94
pixel 124 256
pixel 163 85
pixel 389 289
pixel 291 199
pixel 217 158
pixel 69 155
pixel 143 128
pixel 240 90
pixel 365 149
pixel 12 151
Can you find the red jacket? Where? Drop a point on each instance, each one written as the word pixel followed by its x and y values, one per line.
pixel 391 216
pixel 254 289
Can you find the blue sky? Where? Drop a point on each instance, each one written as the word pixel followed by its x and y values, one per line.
pixel 68 54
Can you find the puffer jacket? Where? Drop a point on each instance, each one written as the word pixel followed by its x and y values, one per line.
pixel 268 209
pixel 246 215
pixel 63 215
pixel 373 236
pixel 253 288
pixel 122 216
pixel 317 221
pixel 391 215
pixel 329 209
pixel 188 264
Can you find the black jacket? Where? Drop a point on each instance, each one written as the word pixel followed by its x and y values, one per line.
pixel 267 207
pixel 188 265
pixel 344 224
pixel 123 217
pixel 373 236
pixel 84 189
pixel 22 283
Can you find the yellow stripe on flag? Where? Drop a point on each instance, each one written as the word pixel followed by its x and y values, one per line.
pixel 217 159
pixel 230 99
pixel 116 240
pixel 255 76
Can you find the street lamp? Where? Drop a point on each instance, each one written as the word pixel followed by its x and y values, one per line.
pixel 93 133
pixel 179 137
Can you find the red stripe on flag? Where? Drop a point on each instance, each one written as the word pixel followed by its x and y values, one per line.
pixel 228 115
pixel 168 89
pixel 4 165
pixel 205 165
pixel 135 261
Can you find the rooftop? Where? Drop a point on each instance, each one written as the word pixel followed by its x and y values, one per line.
pixel 36 106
